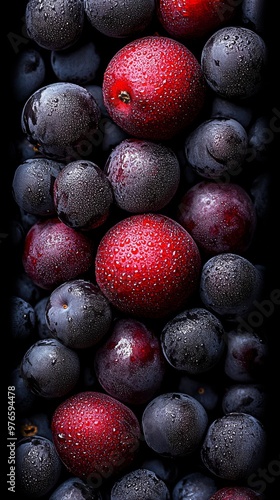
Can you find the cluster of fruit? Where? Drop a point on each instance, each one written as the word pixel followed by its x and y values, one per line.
pixel 141 298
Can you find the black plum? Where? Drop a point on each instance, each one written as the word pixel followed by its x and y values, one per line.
pixel 61 120
pixel 230 284
pixel 140 484
pixel 54 25
pixel 205 392
pixel 38 467
pixel 26 400
pixel 234 446
pixel 22 319
pixel 144 175
pixel 119 19
pixel 76 489
pixel 43 330
pixel 225 108
pixel 246 398
pixel 217 148
pixel 33 185
pixel 82 195
pixel 77 64
pixel 174 424
pixel 233 61
pixel 78 314
pixel 247 356
pixel 28 73
pixel 194 486
pixel 50 369
pixel 193 341
pixel 35 424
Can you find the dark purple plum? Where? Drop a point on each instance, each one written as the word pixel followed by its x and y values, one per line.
pixel 22 319
pixel 54 253
pixel 50 369
pixel 221 217
pixel 193 341
pixel 229 285
pixel 96 92
pixel 54 25
pixel 78 314
pixel 130 365
pixel 25 399
pixel 225 108
pixel 254 15
pixel 61 120
pixel 144 175
pixel 205 392
pixel 247 356
pixel 82 195
pixel 38 467
pixel 25 288
pixel 174 424
pixel 76 489
pixel 28 73
pixel 260 137
pixel 165 468
pixel 33 185
pixel 35 424
pixel 123 20
pixel 43 330
pixel 112 135
pixel 217 148
pixel 246 398
pixel 234 446
pixel 140 484
pixel 229 75
pixel 79 64
pixel 194 486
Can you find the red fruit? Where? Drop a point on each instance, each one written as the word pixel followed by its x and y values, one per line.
pixel 235 493
pixel 192 19
pixel 153 87
pixel 147 265
pixel 54 253
pixel 95 435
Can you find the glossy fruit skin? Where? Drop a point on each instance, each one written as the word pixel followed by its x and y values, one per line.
pixel 130 365
pixel 241 440
pixel 229 285
pixel 59 119
pixel 54 253
pixel 236 493
pixel 227 74
pixel 221 217
pixel 50 369
pixel 174 424
pixel 95 435
pixel 54 28
pixel 140 484
pixel 193 341
pixel 190 20
pixel 194 486
pixel 246 398
pixel 144 175
pixel 119 19
pixel 153 88
pixel 75 488
pixel 82 195
pixel 38 467
pixel 77 314
pixel 132 276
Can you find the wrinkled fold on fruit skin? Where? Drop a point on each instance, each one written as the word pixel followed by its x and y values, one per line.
pixel 147 265
pixel 154 87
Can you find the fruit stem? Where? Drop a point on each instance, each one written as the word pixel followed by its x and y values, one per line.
pixel 124 96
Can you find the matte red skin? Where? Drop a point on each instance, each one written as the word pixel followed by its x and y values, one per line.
pixel 130 365
pixel 235 493
pixel 147 265
pixel 165 83
pixel 95 435
pixel 54 253
pixel 193 19
pixel 220 217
